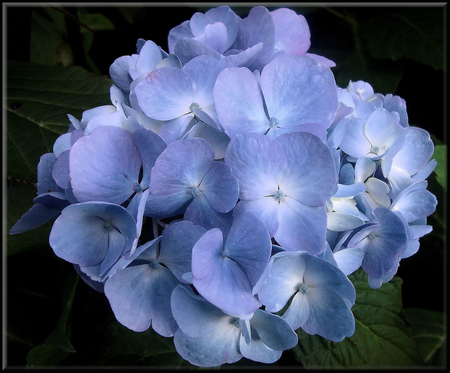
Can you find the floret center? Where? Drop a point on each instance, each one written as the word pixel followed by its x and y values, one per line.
pixel 195 192
pixel 273 122
pixel 304 289
pixel 279 195
pixel 193 106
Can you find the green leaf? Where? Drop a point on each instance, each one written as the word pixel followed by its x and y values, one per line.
pixel 429 331
pixel 48 38
pixel 122 346
pixel 382 335
pixel 415 33
pixel 57 347
pixel 38 101
pixel 440 154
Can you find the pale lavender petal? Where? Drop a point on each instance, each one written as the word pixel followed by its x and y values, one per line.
pixel 165 93
pixel 310 176
pixel 181 166
pixel 220 187
pixel 140 296
pixel 265 208
pixel 257 162
pixel 104 166
pixel 297 89
pixel 292 33
pixel 301 227
pixel 239 102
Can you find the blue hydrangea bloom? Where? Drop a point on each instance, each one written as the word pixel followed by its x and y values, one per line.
pixel 95 235
pixel 186 180
pixel 262 338
pixel 225 271
pixel 177 95
pixel 321 294
pixel 294 93
pixel 140 293
pixel 285 182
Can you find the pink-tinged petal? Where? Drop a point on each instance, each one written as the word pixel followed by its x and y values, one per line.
pixel 239 102
pixel 292 33
pixel 165 93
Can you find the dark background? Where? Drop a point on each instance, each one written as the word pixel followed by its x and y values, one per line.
pixel 36 279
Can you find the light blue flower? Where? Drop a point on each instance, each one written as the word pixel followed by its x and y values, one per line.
pixel 224 271
pixel 208 337
pixel 139 293
pixel 317 294
pixel 294 93
pixel 186 180
pixel 285 182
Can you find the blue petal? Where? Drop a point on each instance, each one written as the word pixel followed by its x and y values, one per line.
pixel 149 146
pixel 384 245
pixel 104 166
pixel 310 175
pixel 207 337
pixel 273 331
pixel 181 167
pixel 37 215
pixel 284 275
pixel 203 72
pixel 301 227
pixel 219 278
pixel 81 235
pixel 177 242
pixel 329 315
pixel 165 93
pixel 249 244
pixel 202 213
pixel 257 162
pixel 239 102
pixel 220 187
pixel 292 33
pixel 257 27
pixel 297 89
pixel 140 295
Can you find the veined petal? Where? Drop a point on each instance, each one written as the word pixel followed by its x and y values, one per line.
pixel 181 166
pixel 286 274
pixel 165 93
pixel 310 175
pixel 239 102
pixel 219 278
pixel 298 89
pixel 301 227
pixel 257 163
pixel 220 187
pixel 140 295
pixel 104 166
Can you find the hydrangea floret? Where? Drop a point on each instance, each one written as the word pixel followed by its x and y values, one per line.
pixel 231 187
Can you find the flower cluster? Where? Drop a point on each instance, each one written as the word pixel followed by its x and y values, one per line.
pixel 231 187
